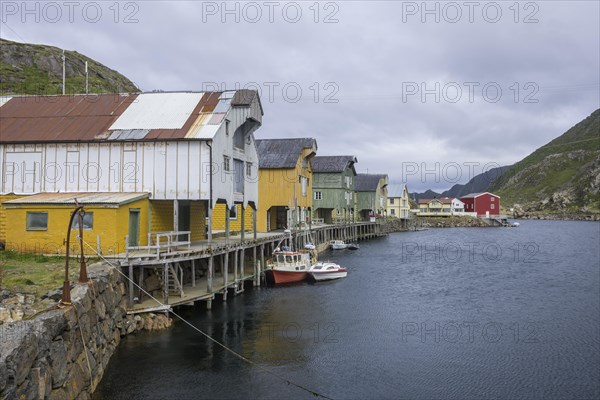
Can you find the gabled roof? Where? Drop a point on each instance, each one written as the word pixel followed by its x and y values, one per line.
pixel 282 153
pixel 396 190
pixel 332 163
pixel 367 182
pixel 443 200
pixel 68 198
pixel 473 195
pixel 108 117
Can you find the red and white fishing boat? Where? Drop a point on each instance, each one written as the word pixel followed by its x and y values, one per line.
pixel 323 271
pixel 289 266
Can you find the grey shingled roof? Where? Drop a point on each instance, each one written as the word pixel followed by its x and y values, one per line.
pixel 395 190
pixel 331 163
pixel 282 153
pixel 367 182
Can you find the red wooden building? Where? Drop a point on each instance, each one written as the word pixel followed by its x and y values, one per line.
pixel 482 203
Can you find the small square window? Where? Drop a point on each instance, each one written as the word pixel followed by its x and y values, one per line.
pixel 37 221
pixel 88 221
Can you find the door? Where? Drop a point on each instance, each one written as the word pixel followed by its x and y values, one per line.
pixel 134 227
pixel 183 219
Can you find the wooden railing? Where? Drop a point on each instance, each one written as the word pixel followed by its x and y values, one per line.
pixel 159 242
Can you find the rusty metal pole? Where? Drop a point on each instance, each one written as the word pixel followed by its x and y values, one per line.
pixel 66 294
pixel 83 276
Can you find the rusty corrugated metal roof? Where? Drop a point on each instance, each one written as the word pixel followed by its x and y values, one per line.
pixel 89 118
pixel 65 198
pixel 60 118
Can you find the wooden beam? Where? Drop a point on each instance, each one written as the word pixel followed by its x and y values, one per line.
pixel 243 223
pixel 210 274
pixel 254 224
pixel 130 285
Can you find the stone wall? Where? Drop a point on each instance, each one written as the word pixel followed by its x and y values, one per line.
pixel 62 353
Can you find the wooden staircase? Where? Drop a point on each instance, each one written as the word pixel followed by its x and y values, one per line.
pixel 174 278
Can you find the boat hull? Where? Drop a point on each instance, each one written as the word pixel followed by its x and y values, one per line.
pixel 280 277
pixel 338 245
pixel 325 276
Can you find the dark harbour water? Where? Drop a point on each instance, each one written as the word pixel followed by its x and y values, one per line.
pixel 465 313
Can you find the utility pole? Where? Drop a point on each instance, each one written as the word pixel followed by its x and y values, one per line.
pixel 64 74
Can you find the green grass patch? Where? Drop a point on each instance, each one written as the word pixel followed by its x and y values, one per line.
pixel 31 273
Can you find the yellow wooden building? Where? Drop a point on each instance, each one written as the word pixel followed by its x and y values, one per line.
pixel 38 223
pixel 284 182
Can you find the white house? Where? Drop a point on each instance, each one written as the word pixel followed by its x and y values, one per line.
pixel 186 150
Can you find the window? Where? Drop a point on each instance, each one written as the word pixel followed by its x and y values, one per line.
pixel 226 163
pixel 393 212
pixel 37 221
pixel 238 139
pixel 391 200
pixel 238 166
pixel 304 183
pixel 493 198
pixel 233 212
pixel 348 181
pixel 318 196
pixel 492 206
pixel 88 221
pixel 248 169
pixel 227 127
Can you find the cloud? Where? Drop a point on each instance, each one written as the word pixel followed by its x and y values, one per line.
pixel 356 75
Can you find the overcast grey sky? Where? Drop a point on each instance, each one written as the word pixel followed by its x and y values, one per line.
pixel 429 93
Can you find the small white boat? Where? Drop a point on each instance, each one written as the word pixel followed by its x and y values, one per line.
pixel 323 271
pixel 338 245
pixel 310 246
pixel 353 246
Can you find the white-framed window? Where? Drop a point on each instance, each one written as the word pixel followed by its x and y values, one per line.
pixel 348 197
pixel 248 169
pixel 348 182
pixel 391 200
pixel 318 195
pixel 37 221
pixel 493 198
pixel 88 221
pixel 226 163
pixel 492 206
pixel 227 127
pixel 393 212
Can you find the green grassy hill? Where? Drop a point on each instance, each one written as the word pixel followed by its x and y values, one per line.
pixel 563 175
pixel 37 69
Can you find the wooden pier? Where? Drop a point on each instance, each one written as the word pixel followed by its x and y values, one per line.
pixel 178 272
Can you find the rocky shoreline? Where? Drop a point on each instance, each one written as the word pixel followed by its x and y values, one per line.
pixel 559 216
pixel 449 222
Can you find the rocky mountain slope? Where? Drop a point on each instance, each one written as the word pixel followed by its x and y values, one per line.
pixel 37 69
pixel 561 176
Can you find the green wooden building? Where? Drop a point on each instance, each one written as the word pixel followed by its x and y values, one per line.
pixel 333 189
pixel 371 196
